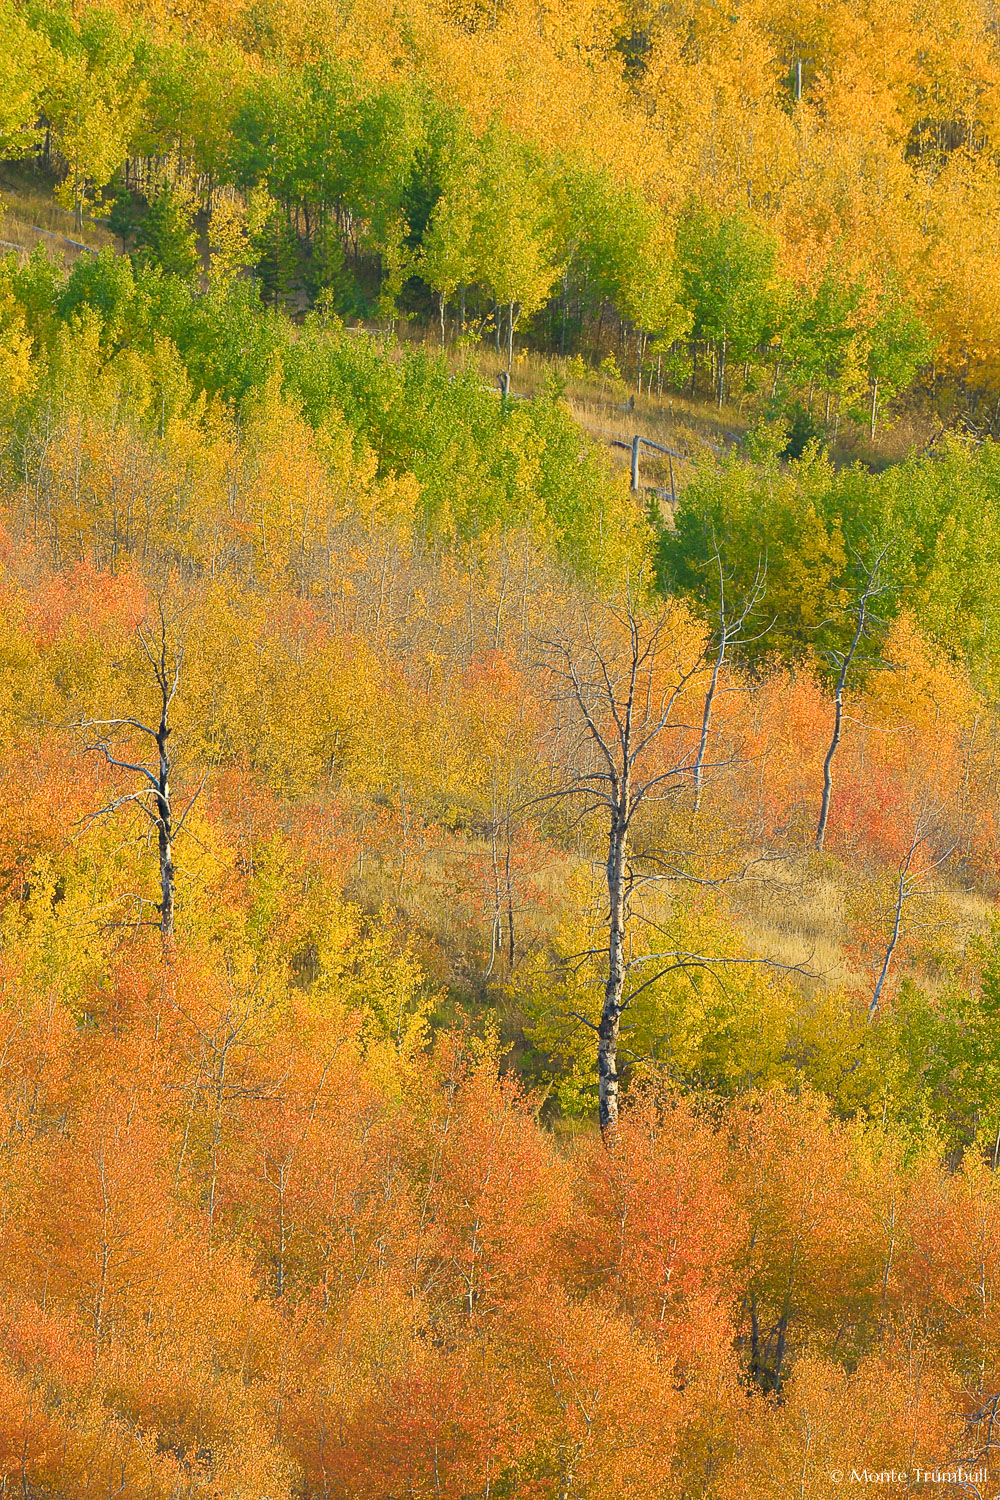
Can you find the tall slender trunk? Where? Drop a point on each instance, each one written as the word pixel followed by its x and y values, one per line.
pixel 706 718
pixel 904 890
pixel 838 698
pixel 874 408
pixel 155 782
pixel 838 722
pixel 510 903
pixel 614 989
pixel 610 689
pixel 165 834
pixel 441 315
pixel 891 947
pixel 779 1351
pixel 722 371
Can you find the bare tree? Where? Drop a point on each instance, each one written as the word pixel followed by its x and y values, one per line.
pixel 623 692
pixel 914 875
pixel 153 796
pixel 844 659
pixel 623 685
pixel 732 623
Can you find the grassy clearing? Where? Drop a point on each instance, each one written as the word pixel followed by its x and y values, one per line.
pixel 612 411
pixel 29 216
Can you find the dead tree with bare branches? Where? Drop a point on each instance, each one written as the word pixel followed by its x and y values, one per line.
pixel 733 616
pixel 153 796
pixel 622 691
pixel 623 681
pixel 916 870
pixel 843 659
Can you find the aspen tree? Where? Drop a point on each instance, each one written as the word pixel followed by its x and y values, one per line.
pixel 843 658
pixel 153 796
pixel 622 686
pixel 512 233
pixel 916 870
pixel 732 618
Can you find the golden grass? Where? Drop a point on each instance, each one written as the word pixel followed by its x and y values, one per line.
pixel 804 915
pixel 602 407
pixel 696 428
pixel 30 217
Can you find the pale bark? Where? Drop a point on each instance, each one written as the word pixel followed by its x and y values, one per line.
pixel 909 883
pixel 706 719
pixel 167 681
pixel 838 722
pixel 624 690
pixel 901 894
pixel 621 711
pixel 846 659
pixel 153 796
pixel 730 629
pixel 614 989
pixel 165 832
